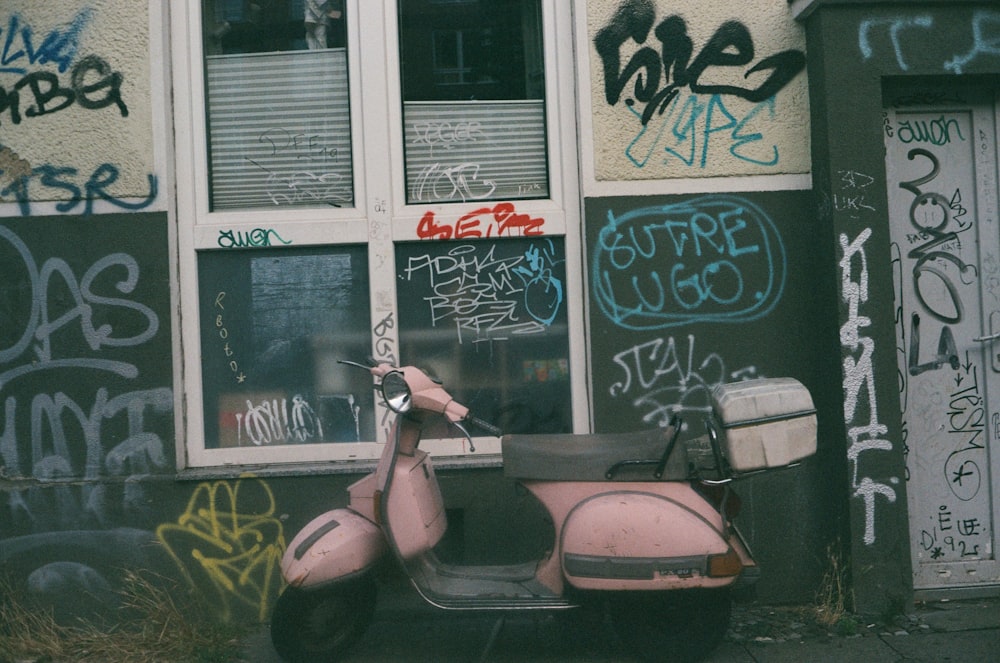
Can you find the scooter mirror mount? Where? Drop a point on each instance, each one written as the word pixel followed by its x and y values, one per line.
pixel 396 392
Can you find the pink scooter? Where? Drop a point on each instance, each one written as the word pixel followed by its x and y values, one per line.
pixel 641 522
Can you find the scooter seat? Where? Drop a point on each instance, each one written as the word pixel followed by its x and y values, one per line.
pixel 569 457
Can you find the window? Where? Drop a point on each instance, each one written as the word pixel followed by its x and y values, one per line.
pixel 473 100
pixel 489 319
pixel 279 320
pixel 420 217
pixel 278 104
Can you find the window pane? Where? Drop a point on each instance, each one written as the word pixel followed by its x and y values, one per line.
pixel 274 324
pixel 277 99
pixel 473 100
pixel 489 319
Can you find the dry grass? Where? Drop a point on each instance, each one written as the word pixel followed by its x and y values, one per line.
pixel 833 598
pixel 153 626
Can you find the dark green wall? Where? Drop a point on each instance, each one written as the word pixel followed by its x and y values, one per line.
pixel 853 51
pixel 689 291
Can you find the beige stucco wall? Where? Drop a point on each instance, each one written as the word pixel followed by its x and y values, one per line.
pixel 701 135
pixel 75 141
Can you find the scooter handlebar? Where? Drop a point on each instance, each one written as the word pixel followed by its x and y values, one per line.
pixel 484 425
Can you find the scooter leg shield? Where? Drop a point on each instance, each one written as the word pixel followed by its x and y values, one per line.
pixel 336 545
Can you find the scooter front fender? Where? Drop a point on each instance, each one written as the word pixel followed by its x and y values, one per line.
pixel 336 545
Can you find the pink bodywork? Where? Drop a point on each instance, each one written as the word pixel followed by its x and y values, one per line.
pixel 609 535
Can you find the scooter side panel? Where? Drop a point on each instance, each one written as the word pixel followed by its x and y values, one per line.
pixel 632 540
pixel 335 545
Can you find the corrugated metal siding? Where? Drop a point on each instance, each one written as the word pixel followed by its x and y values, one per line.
pixel 473 150
pixel 279 129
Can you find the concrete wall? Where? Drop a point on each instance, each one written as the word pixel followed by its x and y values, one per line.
pixel 698 112
pixel 86 375
pixel 730 99
pixel 77 117
pixel 87 441
pixel 863 47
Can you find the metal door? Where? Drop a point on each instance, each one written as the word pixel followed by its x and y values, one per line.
pixel 942 189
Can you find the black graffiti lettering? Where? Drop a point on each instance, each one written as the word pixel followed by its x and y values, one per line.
pixel 947 351
pixel 108 80
pixel 45 88
pixel 93 85
pixel 633 20
pixel 11 101
pixel 730 46
pixel 913 186
pixel 930 213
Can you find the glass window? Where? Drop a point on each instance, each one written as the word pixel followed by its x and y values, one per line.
pixel 473 100
pixel 307 252
pixel 275 323
pixel 279 130
pixel 488 318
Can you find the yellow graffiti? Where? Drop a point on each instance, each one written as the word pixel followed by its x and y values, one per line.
pixel 228 544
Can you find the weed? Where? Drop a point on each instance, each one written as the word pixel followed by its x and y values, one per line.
pixel 153 625
pixel 832 603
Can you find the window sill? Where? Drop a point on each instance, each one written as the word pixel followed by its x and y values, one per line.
pixel 484 461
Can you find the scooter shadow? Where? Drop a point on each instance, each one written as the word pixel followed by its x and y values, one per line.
pixel 406 630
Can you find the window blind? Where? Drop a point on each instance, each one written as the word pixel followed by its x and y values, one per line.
pixel 279 129
pixel 474 150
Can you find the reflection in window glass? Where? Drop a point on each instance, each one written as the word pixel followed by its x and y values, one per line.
pixel 473 100
pixel 277 100
pixel 275 323
pixel 488 317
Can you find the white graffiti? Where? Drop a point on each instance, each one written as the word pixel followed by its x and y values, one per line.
pixel 66 326
pixel 462 181
pixel 859 380
pixel 487 298
pixel 40 324
pixel 984 28
pixel 896 25
pixel 271 422
pixel 663 379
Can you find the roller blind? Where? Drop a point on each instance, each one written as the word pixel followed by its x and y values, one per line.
pixel 473 150
pixel 279 129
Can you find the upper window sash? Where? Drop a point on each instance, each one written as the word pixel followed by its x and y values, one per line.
pixel 280 137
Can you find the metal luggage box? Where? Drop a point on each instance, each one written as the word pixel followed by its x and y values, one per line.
pixel 765 423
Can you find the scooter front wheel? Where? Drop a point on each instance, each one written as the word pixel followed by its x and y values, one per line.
pixel 679 625
pixel 321 624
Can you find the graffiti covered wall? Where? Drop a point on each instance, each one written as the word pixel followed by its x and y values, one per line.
pixel 888 336
pixel 75 109
pixel 690 291
pixel 86 375
pixel 705 89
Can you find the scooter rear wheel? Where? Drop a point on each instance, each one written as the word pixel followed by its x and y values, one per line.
pixel 322 624
pixel 674 626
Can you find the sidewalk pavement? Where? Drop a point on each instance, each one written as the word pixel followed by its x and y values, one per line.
pixel 407 631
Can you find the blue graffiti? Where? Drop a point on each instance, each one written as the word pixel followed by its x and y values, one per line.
pixel 715 258
pixel 983 43
pixel 59 46
pixel 896 25
pixel 543 290
pixel 985 38
pixel 681 137
pixel 61 178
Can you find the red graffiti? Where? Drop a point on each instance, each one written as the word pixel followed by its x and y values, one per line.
pixel 502 219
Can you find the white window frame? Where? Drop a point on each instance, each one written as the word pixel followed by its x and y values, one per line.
pixel 379 218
